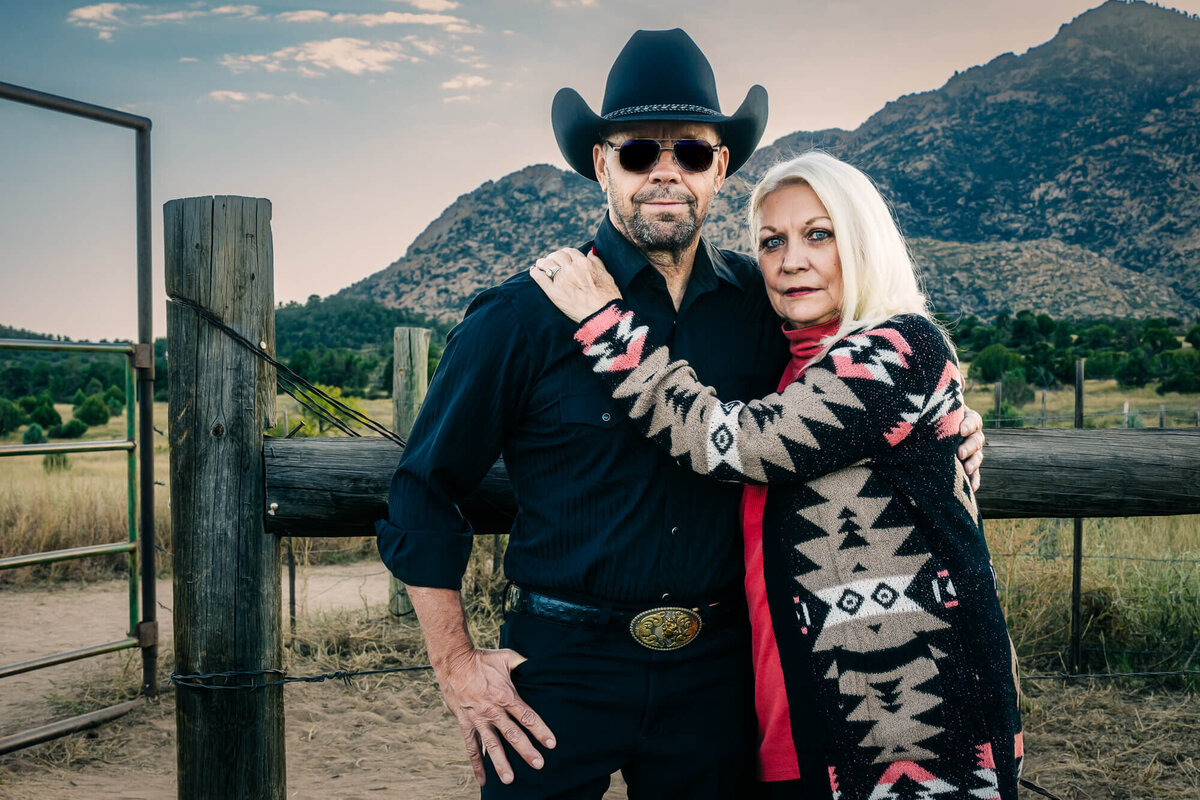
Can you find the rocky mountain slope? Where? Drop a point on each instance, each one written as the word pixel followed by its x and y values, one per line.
pixel 1065 179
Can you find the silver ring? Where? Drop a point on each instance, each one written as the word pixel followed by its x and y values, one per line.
pixel 550 271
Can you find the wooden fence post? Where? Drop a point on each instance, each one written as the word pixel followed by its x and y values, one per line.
pixel 229 743
pixel 999 392
pixel 410 380
pixel 1076 649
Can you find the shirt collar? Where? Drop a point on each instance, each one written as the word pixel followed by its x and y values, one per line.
pixel 624 261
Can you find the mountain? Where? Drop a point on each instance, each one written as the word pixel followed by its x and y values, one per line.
pixel 485 236
pixel 1063 179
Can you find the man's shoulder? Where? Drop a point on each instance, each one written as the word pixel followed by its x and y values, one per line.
pixel 738 268
pixel 516 291
pixel 518 301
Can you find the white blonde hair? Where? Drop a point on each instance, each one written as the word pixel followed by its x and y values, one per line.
pixel 879 280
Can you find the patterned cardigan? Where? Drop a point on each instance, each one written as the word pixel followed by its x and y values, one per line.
pixel 896 658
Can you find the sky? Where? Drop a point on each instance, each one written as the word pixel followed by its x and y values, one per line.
pixel 361 120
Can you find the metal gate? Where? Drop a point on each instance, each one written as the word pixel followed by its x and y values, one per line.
pixel 139 381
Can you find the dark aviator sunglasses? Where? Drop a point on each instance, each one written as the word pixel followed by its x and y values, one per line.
pixel 640 155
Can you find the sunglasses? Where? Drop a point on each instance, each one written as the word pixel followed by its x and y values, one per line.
pixel 640 155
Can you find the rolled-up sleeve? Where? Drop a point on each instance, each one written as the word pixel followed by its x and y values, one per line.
pixel 475 396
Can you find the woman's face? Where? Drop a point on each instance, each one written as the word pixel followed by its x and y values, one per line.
pixel 798 256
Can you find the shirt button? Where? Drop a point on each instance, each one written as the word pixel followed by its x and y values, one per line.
pixel 606 416
pixel 674 530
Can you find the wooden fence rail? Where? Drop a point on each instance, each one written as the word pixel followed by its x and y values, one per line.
pixel 338 487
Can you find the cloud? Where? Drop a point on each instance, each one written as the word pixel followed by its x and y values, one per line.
pixel 458 98
pixel 236 98
pixel 466 82
pixel 311 15
pixel 444 21
pixel 173 16
pixel 102 17
pixel 99 14
pixel 426 46
pixel 188 60
pixel 312 59
pixel 227 96
pixel 107 17
pixel 570 3
pixel 431 5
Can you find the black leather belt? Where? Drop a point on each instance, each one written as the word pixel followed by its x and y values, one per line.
pixel 659 628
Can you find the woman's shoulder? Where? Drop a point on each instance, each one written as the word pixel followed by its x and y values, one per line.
pixel 913 329
pixel 912 338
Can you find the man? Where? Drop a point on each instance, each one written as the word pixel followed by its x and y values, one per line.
pixel 626 645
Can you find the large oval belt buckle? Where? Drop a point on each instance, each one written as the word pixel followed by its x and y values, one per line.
pixel 668 628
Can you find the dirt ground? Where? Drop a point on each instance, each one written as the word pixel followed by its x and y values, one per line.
pixel 389 736
pixel 384 737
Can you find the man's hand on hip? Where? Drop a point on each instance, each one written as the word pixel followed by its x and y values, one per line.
pixel 478 688
pixel 477 685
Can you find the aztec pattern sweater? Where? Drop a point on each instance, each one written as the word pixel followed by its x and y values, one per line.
pixel 896 658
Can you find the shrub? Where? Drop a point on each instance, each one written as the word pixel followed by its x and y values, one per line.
pixel 1158 337
pixel 1193 336
pixel 1009 417
pixel 993 361
pixel 10 416
pixel 1181 369
pixel 1097 337
pixel 55 462
pixel 28 403
pixel 72 430
pixel 93 411
pixel 34 434
pixel 1102 364
pixel 1014 388
pixel 45 415
pixel 114 398
pixel 1136 370
pixel 78 399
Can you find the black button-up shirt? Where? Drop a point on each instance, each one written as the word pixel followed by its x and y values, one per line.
pixel 603 514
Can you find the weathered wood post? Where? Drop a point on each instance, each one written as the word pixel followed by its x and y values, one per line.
pixel 1076 649
pixel 227 596
pixel 1162 415
pixel 410 381
pixel 999 394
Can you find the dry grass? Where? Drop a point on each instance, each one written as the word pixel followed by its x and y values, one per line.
pixel 87 505
pixel 84 505
pixel 1103 400
pixel 1149 607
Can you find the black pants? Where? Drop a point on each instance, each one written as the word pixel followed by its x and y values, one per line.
pixel 677 724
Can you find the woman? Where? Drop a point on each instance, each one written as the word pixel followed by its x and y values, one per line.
pixel 883 666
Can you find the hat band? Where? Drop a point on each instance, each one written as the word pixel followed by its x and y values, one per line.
pixel 655 109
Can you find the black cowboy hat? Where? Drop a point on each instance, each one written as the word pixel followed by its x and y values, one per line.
pixel 659 75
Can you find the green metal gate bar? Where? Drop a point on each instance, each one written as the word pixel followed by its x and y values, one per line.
pixel 130 547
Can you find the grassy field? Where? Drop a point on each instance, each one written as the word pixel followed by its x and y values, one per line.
pixel 1103 405
pixel 1137 613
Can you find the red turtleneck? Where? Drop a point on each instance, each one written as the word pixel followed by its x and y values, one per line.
pixel 776 753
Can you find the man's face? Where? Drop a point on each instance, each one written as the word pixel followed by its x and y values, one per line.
pixel 662 209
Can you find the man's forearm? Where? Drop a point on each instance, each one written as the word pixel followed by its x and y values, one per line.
pixel 443 623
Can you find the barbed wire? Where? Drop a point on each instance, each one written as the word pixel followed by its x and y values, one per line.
pixel 306 394
pixel 197 681
pixel 1049 556
pixel 1063 676
pixel 193 681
